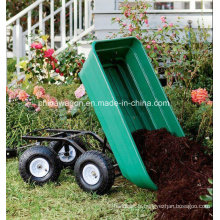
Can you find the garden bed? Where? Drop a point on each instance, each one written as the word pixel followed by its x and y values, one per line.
pixel 180 169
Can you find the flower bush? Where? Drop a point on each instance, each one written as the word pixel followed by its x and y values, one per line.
pixel 22 96
pixel 183 55
pixel 22 117
pixel 39 94
pixel 45 67
pixel 195 119
pixel 70 64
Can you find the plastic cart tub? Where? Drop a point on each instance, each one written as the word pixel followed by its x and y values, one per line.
pixel 116 75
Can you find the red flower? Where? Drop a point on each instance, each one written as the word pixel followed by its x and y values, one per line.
pixel 61 74
pixel 83 61
pixel 53 65
pixel 39 46
pixel 53 59
pixel 34 105
pixel 49 53
pixel 57 70
pixel 199 95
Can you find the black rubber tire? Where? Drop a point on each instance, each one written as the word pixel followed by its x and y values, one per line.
pixel 39 152
pixel 56 146
pixel 10 153
pixel 106 169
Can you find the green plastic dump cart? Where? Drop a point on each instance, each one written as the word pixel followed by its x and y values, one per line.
pixel 116 75
pixel 127 96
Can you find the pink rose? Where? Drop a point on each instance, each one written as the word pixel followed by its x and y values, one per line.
pixel 46 97
pixel 148 46
pixel 36 45
pixel 127 13
pixel 124 25
pixel 163 19
pixel 37 109
pixel 22 95
pixel 171 24
pixel 12 95
pixel 131 29
pixel 39 92
pixel 153 41
pixel 141 15
pixel 80 92
pixel 165 25
pixel 159 29
pixel 48 53
pixel 138 37
pixel 27 104
pixel 52 102
pixel 117 19
pixel 146 21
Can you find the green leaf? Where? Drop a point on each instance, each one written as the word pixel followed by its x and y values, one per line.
pixel 210 190
pixel 84 97
pixel 206 198
pixel 74 110
pixel 210 204
pixel 62 68
pixel 210 180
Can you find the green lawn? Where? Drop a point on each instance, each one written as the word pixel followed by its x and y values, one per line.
pixel 65 200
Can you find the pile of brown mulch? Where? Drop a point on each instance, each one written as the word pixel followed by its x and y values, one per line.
pixel 180 169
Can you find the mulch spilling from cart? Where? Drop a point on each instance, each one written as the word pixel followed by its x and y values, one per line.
pixel 181 169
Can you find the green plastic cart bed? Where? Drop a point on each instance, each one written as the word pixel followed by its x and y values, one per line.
pixel 116 75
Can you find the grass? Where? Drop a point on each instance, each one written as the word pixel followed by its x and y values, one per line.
pixel 65 200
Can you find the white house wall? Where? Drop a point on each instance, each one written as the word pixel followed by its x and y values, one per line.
pixel 103 21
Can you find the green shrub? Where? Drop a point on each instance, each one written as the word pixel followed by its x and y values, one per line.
pixel 70 64
pixel 11 70
pixel 186 61
pixel 196 120
pixel 20 120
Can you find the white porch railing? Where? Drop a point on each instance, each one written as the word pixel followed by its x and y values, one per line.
pixel 79 20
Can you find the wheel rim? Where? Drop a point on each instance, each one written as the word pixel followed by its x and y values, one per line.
pixel 39 167
pixel 91 174
pixel 70 157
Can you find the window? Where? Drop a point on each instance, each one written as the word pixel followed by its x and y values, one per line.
pixel 163 5
pixel 186 5
pixel 208 5
pixel 199 5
